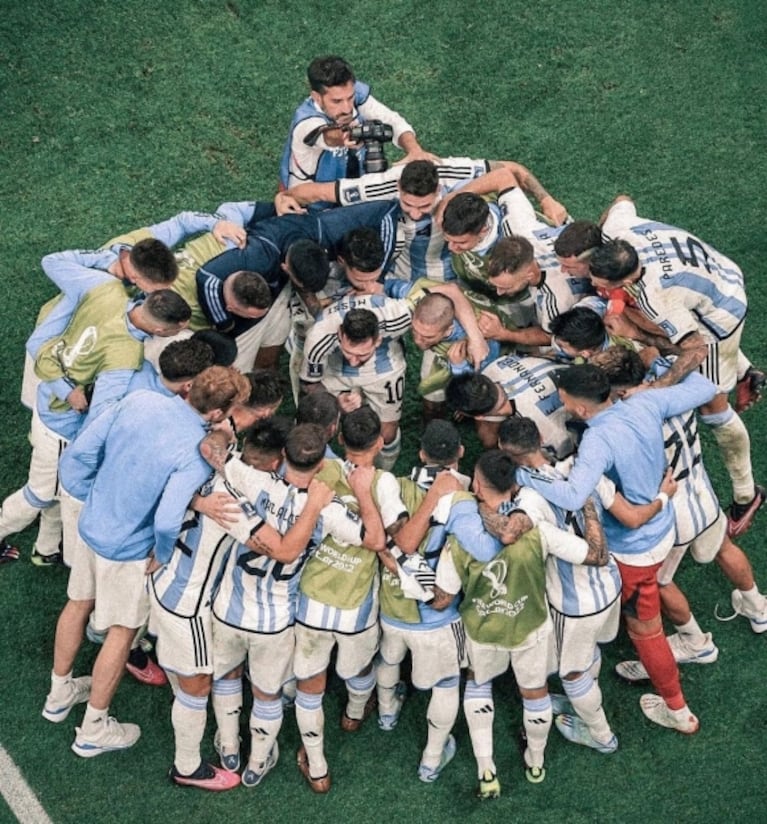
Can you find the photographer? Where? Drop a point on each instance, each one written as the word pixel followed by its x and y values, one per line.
pixel 314 152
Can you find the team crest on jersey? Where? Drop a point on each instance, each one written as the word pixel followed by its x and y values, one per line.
pixel 352 195
pixel 68 355
pixel 495 572
pixel 668 328
pixel 315 370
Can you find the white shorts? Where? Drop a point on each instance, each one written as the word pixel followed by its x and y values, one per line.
pixel 703 549
pixel 119 589
pixel 70 514
pixel 270 655
pixel 383 394
pixel 184 645
pixel 29 382
pixel 721 364
pixel 577 637
pixel 436 654
pixel 314 646
pixel 271 331
pixel 47 447
pixel 532 662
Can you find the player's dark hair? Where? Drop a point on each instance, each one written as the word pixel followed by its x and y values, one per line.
pixel 622 366
pixel 154 260
pixel 472 393
pixel 318 407
pixel 183 359
pixel 360 325
pixel 305 446
pixel 250 289
pixel 520 435
pixel 419 178
pixel 576 238
pixel 581 327
pixel 266 388
pixel 224 348
pixel 267 438
pixel 466 214
pixel 614 261
pixel 330 70
pixel 584 381
pixel 167 307
pixel 362 249
pixel 498 469
pixel 308 263
pixel 509 255
pixel 360 429
pixel 441 442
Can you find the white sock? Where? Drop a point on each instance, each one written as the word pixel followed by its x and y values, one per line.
pixel 440 718
pixel 387 678
pixel 188 715
pixel 735 445
pixel 360 688
pixel 536 717
pixel 586 697
pixel 265 724
pixel 94 719
pixel 691 628
pixel 753 599
pixel 311 724
pixel 227 706
pixel 479 709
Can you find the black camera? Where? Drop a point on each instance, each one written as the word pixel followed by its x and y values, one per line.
pixel 373 133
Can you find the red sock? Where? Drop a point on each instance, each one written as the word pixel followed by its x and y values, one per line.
pixel 655 653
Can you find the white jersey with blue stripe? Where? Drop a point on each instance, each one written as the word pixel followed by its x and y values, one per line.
pixel 695 503
pixel 557 292
pixel 529 385
pixel 686 286
pixel 315 613
pixel 257 593
pixel 572 589
pixel 184 585
pixel 322 353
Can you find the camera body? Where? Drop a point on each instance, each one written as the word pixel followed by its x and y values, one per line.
pixel 373 133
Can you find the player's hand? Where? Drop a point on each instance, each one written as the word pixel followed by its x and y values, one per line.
pixel 152 565
pixel 319 493
pixel 633 390
pixel 477 350
pixel 669 484
pixel 554 210
pixel 457 353
pixel 220 507
pixel 286 204
pixel 417 154
pixel 490 325
pixel 225 230
pixel 618 324
pixel 349 401
pixel 77 400
pixel 446 483
pixel 361 479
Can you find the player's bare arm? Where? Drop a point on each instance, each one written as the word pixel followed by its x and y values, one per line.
pixel 361 483
pixel 507 528
pixel 594 536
